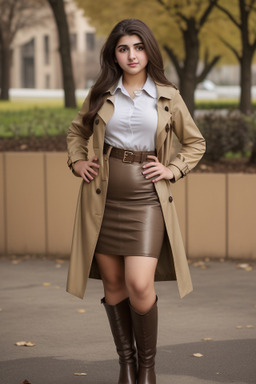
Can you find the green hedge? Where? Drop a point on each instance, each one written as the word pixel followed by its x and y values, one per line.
pixel 229 135
pixel 219 104
pixel 226 134
pixel 36 122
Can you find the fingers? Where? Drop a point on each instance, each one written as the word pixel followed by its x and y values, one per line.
pixel 156 170
pixel 153 158
pixel 87 169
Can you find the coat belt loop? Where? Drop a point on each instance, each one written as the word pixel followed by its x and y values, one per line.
pixel 109 149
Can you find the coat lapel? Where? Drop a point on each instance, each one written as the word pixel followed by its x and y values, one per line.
pixel 164 114
pixel 107 109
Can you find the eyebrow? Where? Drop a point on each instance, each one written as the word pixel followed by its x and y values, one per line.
pixel 125 45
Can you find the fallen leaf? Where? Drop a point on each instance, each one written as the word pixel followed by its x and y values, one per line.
pixel 16 261
pixel 245 266
pixel 249 326
pixel 242 266
pixel 207 259
pixel 46 284
pixel 20 343
pixel 239 326
pixel 81 310
pixel 197 355
pixel 60 261
pixel 255 306
pixel 200 264
pixel 24 344
pixel 29 344
pixel 26 382
pixel 80 374
pixel 57 286
pixel 207 338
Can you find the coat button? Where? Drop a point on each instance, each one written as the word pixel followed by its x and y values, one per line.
pixel 98 191
pixel 170 199
pixel 97 121
pixel 167 128
pixel 166 108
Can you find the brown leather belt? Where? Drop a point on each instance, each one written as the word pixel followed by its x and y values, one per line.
pixel 128 156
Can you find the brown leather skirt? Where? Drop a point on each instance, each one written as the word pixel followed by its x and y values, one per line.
pixel 133 222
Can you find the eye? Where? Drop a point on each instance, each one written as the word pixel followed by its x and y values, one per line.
pixel 140 48
pixel 123 49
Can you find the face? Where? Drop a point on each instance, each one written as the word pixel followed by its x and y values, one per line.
pixel 131 55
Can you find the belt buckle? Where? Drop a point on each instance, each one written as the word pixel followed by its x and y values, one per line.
pixel 126 154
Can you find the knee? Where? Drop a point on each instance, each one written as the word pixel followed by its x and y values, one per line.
pixel 140 288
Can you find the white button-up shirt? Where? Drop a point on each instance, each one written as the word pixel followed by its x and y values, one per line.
pixel 134 122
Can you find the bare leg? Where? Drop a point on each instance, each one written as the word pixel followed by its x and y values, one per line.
pixel 139 279
pixel 113 277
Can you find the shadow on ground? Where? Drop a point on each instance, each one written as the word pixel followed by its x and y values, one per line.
pixel 231 361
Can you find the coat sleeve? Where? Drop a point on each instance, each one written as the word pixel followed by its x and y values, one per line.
pixel 78 136
pixel 193 143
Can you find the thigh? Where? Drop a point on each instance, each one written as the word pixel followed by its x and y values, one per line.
pixel 111 267
pixel 140 271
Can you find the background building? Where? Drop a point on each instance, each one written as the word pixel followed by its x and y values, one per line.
pixel 35 55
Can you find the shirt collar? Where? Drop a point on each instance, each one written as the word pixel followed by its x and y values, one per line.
pixel 148 87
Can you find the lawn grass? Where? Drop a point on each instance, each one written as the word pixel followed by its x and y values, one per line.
pixel 21 104
pixel 47 117
pixel 37 118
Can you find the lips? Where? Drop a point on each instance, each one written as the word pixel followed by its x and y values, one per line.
pixel 132 65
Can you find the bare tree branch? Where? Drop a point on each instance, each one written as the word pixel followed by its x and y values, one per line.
pixel 174 59
pixel 231 48
pixel 230 16
pixel 207 12
pixel 207 67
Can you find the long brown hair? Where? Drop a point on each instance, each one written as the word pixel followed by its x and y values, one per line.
pixel 111 71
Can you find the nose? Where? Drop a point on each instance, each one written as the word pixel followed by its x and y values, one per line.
pixel 132 54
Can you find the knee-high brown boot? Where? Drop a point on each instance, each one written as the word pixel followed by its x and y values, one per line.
pixel 145 330
pixel 119 316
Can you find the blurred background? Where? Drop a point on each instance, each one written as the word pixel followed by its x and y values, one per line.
pixel 50 56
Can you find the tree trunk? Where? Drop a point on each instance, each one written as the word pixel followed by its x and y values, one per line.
pixel 64 47
pixel 245 105
pixel 188 78
pixel 5 64
pixel 246 61
pixel 187 90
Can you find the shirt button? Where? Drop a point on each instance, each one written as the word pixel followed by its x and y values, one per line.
pixel 97 121
pixel 98 191
pixel 166 108
pixel 170 199
pixel 167 128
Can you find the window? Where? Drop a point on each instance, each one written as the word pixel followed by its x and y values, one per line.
pixel 28 64
pixel 46 49
pixel 73 41
pixel 47 82
pixel 90 41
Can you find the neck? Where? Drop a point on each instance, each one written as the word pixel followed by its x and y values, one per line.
pixel 135 81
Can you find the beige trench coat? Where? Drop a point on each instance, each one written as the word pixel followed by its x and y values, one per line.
pixel 173 117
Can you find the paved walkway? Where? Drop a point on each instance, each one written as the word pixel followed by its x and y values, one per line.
pixel 72 336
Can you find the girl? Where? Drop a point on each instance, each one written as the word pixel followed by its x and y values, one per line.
pixel 126 230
